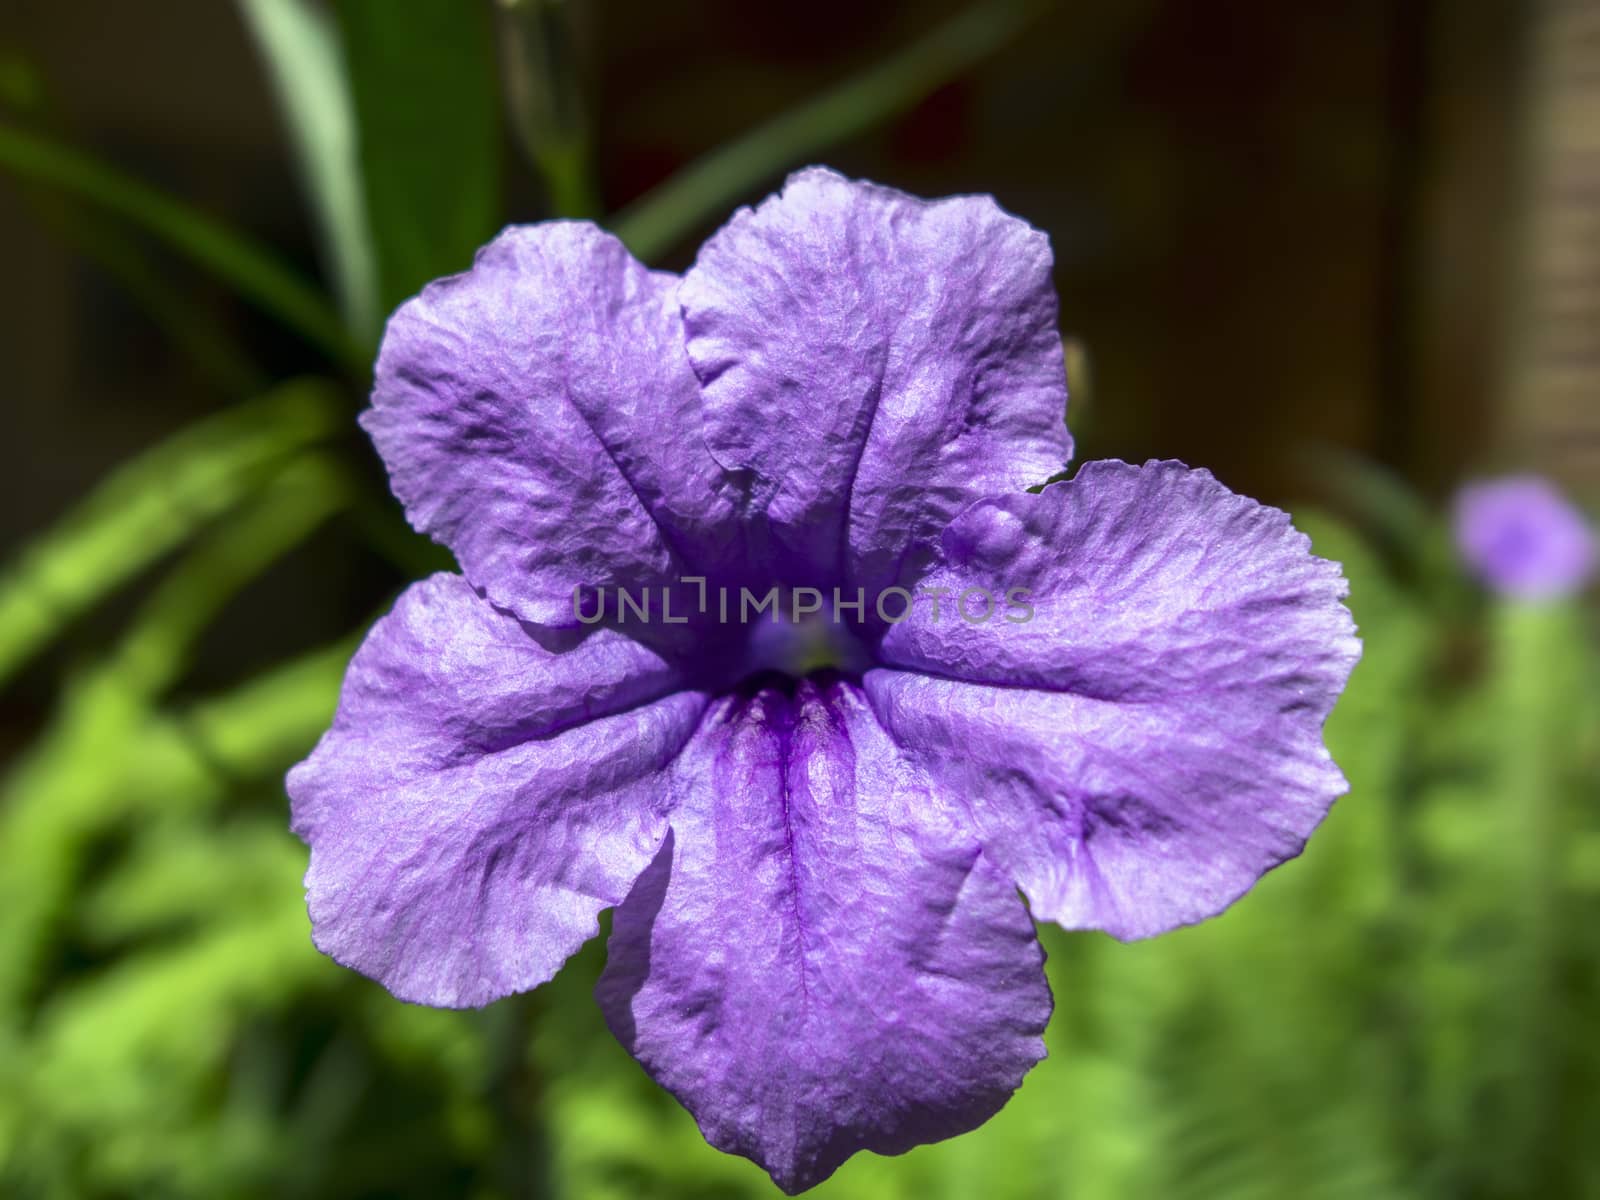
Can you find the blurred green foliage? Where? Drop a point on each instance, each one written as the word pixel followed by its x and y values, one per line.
pixel 1407 1010
pixel 1412 1009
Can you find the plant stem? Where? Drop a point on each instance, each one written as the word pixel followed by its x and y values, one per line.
pixel 543 94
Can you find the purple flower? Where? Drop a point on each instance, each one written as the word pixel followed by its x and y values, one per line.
pixel 1522 538
pixel 820 942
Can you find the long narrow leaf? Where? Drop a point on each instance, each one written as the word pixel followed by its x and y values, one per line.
pixel 150 506
pixel 423 81
pixel 253 271
pixel 155 651
pixel 92 766
pixel 299 43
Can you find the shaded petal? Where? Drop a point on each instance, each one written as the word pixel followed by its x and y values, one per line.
pixel 879 361
pixel 819 962
pixel 1150 742
pixel 480 798
pixel 538 415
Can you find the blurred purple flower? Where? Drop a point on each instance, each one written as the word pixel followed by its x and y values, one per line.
pixel 1522 538
pixel 819 944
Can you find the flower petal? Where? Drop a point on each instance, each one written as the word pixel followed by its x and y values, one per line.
pixel 1150 742
pixel 818 962
pixel 538 415
pixel 880 361
pixel 481 798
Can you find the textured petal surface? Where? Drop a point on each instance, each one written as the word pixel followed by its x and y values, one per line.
pixel 480 797
pixel 539 416
pixel 1149 743
pixel 879 361
pixel 1523 538
pixel 819 962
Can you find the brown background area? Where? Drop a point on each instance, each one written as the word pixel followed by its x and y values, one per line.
pixel 1272 222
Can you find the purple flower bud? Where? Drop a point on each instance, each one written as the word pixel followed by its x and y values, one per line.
pixel 1523 538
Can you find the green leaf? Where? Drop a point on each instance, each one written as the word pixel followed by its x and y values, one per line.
pixel 222 932
pixel 151 505
pixel 255 272
pixel 104 755
pixel 299 42
pixel 105 1044
pixel 182 873
pixel 708 187
pixel 155 650
pixel 423 79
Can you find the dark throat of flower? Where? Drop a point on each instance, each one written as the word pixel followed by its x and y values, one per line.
pixel 816 643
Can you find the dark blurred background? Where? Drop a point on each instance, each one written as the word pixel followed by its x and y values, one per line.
pixel 1274 224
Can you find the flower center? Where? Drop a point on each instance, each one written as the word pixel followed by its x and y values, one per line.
pixel 816 642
